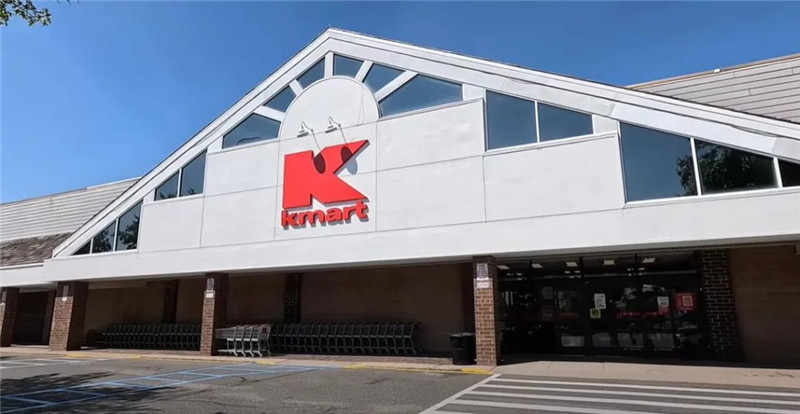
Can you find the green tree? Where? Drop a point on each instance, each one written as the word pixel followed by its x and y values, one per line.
pixel 24 9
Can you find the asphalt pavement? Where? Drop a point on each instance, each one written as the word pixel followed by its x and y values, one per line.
pixel 81 385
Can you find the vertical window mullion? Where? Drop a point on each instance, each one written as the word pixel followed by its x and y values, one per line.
pixel 180 182
pixel 778 178
pixel 696 167
pixel 536 117
pixel 116 229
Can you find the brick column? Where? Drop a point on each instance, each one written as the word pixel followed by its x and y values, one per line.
pixel 170 306
pixel 215 311
pixel 69 312
pixel 8 314
pixel 720 309
pixel 292 296
pixel 487 336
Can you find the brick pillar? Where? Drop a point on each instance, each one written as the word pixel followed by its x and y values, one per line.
pixel 8 314
pixel 170 306
pixel 715 280
pixel 487 336
pixel 215 311
pixel 69 312
pixel 292 295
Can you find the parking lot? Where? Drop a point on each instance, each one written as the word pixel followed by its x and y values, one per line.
pixel 49 384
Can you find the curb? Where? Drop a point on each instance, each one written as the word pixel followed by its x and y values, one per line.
pixel 474 371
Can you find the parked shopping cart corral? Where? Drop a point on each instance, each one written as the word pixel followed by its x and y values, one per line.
pixel 152 336
pixel 244 340
pixel 377 338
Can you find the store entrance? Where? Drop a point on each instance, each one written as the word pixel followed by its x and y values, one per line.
pixel 643 305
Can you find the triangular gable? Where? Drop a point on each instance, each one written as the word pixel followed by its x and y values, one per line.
pixel 739 130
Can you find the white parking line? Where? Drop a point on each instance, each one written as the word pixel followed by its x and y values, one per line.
pixel 41 362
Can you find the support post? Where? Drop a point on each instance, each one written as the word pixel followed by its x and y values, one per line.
pixel 69 313
pixel 215 311
pixel 487 335
pixel 720 309
pixel 292 298
pixel 9 296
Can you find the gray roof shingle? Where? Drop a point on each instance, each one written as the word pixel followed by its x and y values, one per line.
pixel 29 250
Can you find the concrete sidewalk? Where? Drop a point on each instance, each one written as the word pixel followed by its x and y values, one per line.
pixel 693 374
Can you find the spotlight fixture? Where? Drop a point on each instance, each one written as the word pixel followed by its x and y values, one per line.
pixel 572 264
pixel 502 267
pixel 332 125
pixel 536 265
pixel 648 260
pixel 304 130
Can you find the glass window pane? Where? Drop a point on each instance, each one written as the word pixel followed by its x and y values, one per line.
pixel 420 92
pixel 128 228
pixel 254 128
pixel 192 176
pixel 312 75
pixel 510 121
pixel 379 75
pixel 656 164
pixel 104 241
pixel 83 250
pixel 281 101
pixel 555 123
pixel 345 66
pixel 790 173
pixel 725 169
pixel 169 189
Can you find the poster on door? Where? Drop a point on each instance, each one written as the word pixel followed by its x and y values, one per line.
pixel 599 300
pixel 663 305
pixel 686 301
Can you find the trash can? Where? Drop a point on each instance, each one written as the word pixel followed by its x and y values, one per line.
pixel 462 346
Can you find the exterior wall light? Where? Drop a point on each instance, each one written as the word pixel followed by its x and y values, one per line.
pixel 304 130
pixel 332 125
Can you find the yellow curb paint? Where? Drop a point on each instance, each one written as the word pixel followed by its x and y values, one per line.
pixel 266 362
pixel 438 371
pixel 476 371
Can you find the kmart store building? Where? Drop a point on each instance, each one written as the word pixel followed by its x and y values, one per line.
pixel 370 180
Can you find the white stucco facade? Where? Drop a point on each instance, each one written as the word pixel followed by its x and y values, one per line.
pixel 434 192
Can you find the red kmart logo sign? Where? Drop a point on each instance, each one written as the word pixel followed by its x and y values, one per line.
pixel 307 177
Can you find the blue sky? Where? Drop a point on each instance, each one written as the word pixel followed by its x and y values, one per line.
pixel 111 88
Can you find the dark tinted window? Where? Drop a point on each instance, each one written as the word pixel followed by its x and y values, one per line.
pixel 344 66
pixel 656 164
pixel 725 169
pixel 790 173
pixel 420 92
pixel 169 189
pixel 312 75
pixel 104 241
pixel 281 101
pixel 83 250
pixel 254 128
pixel 379 75
pixel 128 228
pixel 509 120
pixel 192 176
pixel 555 123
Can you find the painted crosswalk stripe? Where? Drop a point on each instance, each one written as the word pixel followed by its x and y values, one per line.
pixel 539 407
pixel 644 394
pixel 655 387
pixel 630 402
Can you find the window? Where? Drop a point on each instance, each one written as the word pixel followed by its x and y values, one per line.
pixel 254 128
pixel 656 164
pixel 192 176
pixel 420 92
pixel 169 189
pixel 104 241
pixel 312 75
pixel 281 101
pixel 510 121
pixel 345 66
pixel 556 123
pixel 128 228
pixel 85 249
pixel 379 75
pixel 790 173
pixel 724 169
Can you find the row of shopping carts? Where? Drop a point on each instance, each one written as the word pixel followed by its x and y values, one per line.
pixel 345 338
pixel 152 335
pixel 244 340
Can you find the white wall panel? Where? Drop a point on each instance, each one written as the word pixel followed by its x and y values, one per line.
pixel 445 134
pixel 171 224
pixel 435 194
pixel 556 179
pixel 244 217
pixel 240 169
